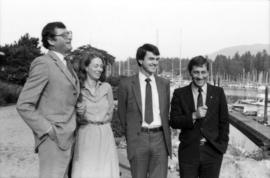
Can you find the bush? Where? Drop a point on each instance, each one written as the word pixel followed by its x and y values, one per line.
pixel 116 125
pixel 9 93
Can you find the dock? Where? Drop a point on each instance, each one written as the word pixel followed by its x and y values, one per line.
pixel 257 132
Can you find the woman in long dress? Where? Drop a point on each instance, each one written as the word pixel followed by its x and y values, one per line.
pixel 95 154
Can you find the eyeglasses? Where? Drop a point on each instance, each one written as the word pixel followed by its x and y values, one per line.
pixel 65 34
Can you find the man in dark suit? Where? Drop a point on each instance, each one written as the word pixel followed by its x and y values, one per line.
pixel 47 102
pixel 200 111
pixel 143 108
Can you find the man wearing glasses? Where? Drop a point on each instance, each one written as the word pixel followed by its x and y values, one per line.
pixel 47 102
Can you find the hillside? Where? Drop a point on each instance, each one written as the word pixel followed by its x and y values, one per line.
pixel 230 51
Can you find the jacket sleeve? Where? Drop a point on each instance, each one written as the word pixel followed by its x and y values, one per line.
pixel 180 118
pixel 223 136
pixel 30 95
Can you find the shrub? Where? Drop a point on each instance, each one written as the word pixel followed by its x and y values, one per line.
pixel 116 125
pixel 9 93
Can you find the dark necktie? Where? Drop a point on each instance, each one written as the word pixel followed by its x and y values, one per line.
pixel 69 67
pixel 199 99
pixel 199 104
pixel 148 113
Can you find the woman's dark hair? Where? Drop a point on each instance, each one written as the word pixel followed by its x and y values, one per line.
pixel 84 62
pixel 48 32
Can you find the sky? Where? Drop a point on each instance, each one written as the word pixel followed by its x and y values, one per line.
pixel 180 28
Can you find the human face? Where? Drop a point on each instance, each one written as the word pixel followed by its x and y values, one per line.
pixel 62 41
pixel 199 75
pixel 95 69
pixel 149 64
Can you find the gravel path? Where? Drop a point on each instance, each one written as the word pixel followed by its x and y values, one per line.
pixel 17 158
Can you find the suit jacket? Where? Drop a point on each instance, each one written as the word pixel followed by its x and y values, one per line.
pixel 48 98
pixel 214 127
pixel 130 110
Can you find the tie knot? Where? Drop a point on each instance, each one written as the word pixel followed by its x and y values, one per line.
pixel 200 89
pixel 147 80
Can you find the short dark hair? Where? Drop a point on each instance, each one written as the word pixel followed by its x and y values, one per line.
pixel 49 32
pixel 198 61
pixel 141 51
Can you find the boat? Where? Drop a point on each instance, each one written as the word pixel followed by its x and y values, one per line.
pixel 250 107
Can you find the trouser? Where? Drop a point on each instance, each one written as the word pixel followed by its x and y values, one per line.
pixel 151 157
pixel 208 166
pixel 53 162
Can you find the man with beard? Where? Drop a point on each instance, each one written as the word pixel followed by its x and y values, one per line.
pixel 143 108
pixel 200 111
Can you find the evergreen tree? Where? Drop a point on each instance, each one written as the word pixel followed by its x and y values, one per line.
pixel 18 56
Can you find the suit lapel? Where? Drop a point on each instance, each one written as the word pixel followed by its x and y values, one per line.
pixel 189 98
pixel 137 91
pixel 161 90
pixel 64 69
pixel 209 99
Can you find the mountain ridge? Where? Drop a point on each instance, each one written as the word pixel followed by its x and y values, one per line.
pixel 241 49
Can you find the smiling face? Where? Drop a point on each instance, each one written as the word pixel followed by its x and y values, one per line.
pixel 199 75
pixel 95 69
pixel 149 64
pixel 61 41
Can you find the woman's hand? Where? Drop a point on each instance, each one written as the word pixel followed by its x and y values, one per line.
pixel 81 108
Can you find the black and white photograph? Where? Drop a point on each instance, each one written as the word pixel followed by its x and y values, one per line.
pixel 135 89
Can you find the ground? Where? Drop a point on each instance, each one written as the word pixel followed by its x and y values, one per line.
pixel 17 158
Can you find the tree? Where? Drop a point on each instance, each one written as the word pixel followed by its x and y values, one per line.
pixel 18 56
pixel 77 55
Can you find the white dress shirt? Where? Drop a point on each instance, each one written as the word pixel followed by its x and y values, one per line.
pixel 155 101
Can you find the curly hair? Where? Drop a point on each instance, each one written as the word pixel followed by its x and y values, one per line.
pixel 84 62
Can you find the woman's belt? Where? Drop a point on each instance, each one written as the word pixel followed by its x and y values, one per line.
pixel 98 122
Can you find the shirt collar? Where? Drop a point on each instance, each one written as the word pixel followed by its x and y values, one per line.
pixel 59 55
pixel 142 77
pixel 195 88
pixel 97 86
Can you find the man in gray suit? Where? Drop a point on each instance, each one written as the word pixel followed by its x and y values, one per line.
pixel 47 102
pixel 143 108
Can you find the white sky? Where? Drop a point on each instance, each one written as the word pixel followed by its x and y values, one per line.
pixel 179 27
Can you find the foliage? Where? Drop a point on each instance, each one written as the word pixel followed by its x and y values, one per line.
pixel 77 55
pixel 244 66
pixel 9 93
pixel 233 67
pixel 116 125
pixel 18 56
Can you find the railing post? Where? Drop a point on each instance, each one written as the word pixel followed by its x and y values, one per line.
pixel 265 119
